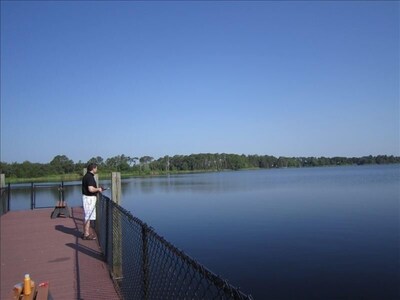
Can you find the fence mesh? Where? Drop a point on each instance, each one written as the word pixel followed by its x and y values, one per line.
pixel 146 266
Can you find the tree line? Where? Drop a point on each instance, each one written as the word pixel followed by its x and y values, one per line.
pixel 147 165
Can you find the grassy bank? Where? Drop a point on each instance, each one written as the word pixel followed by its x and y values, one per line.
pixel 102 176
pixel 49 178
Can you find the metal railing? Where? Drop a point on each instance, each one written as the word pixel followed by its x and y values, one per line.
pixel 144 265
pixel 33 188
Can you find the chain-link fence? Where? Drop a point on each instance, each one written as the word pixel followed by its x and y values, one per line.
pixel 146 266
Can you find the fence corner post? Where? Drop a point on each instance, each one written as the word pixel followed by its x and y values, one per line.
pixel 2 181
pixel 116 187
pixel 4 206
pixel 116 227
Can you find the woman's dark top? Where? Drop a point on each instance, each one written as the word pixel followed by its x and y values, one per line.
pixel 88 180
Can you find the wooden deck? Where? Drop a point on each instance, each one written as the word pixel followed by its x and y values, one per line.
pixel 52 250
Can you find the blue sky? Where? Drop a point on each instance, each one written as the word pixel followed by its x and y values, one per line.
pixel 102 78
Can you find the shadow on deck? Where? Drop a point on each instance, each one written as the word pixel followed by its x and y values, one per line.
pixel 52 250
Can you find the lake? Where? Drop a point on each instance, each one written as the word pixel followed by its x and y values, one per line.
pixel 307 233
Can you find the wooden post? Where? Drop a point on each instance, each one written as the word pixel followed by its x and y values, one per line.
pixel 2 184
pixel 2 181
pixel 116 227
pixel 3 189
pixel 116 187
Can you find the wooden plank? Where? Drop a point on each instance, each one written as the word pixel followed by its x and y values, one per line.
pixel 43 291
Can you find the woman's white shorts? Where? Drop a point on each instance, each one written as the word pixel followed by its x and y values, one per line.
pixel 89 207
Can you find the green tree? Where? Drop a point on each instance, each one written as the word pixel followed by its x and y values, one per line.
pixel 118 163
pixel 61 164
pixel 96 160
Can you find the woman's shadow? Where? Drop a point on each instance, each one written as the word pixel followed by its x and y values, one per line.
pixel 80 246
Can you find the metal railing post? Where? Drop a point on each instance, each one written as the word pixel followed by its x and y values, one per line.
pixel 107 225
pixel 32 196
pixel 145 266
pixel 8 196
pixel 3 204
pixel 62 193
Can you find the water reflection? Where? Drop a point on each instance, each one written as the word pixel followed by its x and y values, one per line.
pixel 283 234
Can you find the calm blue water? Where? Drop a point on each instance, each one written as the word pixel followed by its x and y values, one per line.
pixel 311 233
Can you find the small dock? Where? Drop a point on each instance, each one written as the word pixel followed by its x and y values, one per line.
pixel 51 250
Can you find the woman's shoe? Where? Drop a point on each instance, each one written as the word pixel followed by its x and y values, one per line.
pixel 88 237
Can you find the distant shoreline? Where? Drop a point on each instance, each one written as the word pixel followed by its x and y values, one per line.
pixel 124 175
